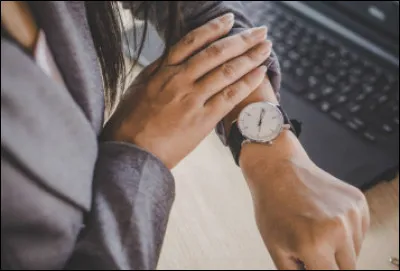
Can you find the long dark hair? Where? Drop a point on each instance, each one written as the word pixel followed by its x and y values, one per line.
pixel 105 22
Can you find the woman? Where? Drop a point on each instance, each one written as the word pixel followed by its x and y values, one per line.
pixel 76 195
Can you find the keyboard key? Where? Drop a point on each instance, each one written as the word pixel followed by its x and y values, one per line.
pixel 312 96
pixel 346 89
pixel 382 99
pixel 339 99
pixel 312 81
pixel 294 55
pixel 361 97
pixel 325 106
pixel 386 89
pixel 359 122
pixel 367 89
pixel 343 63
pixel 337 115
pixel 354 107
pixel 396 121
pixel 371 79
pixel 370 136
pixel 356 71
pixel 331 54
pixel 342 72
pixel 387 128
pixel 326 91
pixel 330 78
pixel 352 125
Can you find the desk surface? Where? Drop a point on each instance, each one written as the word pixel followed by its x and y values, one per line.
pixel 212 224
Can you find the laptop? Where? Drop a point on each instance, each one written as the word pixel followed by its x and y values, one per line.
pixel 340 66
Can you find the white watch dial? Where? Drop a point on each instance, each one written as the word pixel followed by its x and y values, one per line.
pixel 261 122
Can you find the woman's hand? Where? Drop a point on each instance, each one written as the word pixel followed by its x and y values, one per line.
pixel 305 215
pixel 204 77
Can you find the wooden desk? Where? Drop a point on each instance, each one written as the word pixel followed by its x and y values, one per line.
pixel 212 224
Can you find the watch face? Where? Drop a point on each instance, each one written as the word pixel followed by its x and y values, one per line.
pixel 261 122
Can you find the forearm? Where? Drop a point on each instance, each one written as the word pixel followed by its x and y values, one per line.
pixel 132 197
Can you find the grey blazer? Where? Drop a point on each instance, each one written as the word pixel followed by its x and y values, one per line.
pixel 67 199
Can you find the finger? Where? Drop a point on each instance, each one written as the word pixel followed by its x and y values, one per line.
pixel 222 103
pixel 357 235
pixel 346 257
pixel 234 69
pixel 200 37
pixel 359 219
pixel 366 218
pixel 223 50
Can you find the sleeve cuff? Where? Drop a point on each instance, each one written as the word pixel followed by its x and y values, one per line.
pixel 136 169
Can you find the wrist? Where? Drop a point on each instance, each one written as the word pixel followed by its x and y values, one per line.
pixel 258 161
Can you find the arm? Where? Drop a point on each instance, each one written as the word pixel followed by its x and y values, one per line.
pixel 133 195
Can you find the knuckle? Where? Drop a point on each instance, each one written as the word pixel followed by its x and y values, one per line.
pixel 228 70
pixel 189 39
pixel 215 50
pixel 253 55
pixel 230 93
pixel 247 82
pixel 175 82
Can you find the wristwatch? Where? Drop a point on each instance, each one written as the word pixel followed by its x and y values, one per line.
pixel 260 122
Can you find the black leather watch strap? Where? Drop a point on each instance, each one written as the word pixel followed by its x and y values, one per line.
pixel 235 137
pixel 235 140
pixel 295 126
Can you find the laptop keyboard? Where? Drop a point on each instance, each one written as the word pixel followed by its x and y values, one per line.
pixel 340 83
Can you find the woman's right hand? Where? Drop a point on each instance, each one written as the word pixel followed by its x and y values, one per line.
pixel 203 78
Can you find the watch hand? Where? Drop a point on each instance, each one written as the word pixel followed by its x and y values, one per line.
pixel 261 116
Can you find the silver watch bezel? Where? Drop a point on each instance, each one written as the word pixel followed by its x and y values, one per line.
pixel 269 140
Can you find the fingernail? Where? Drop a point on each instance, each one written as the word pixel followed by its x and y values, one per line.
pixel 257 33
pixel 227 18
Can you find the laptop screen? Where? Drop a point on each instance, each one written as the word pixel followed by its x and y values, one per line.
pixel 377 21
